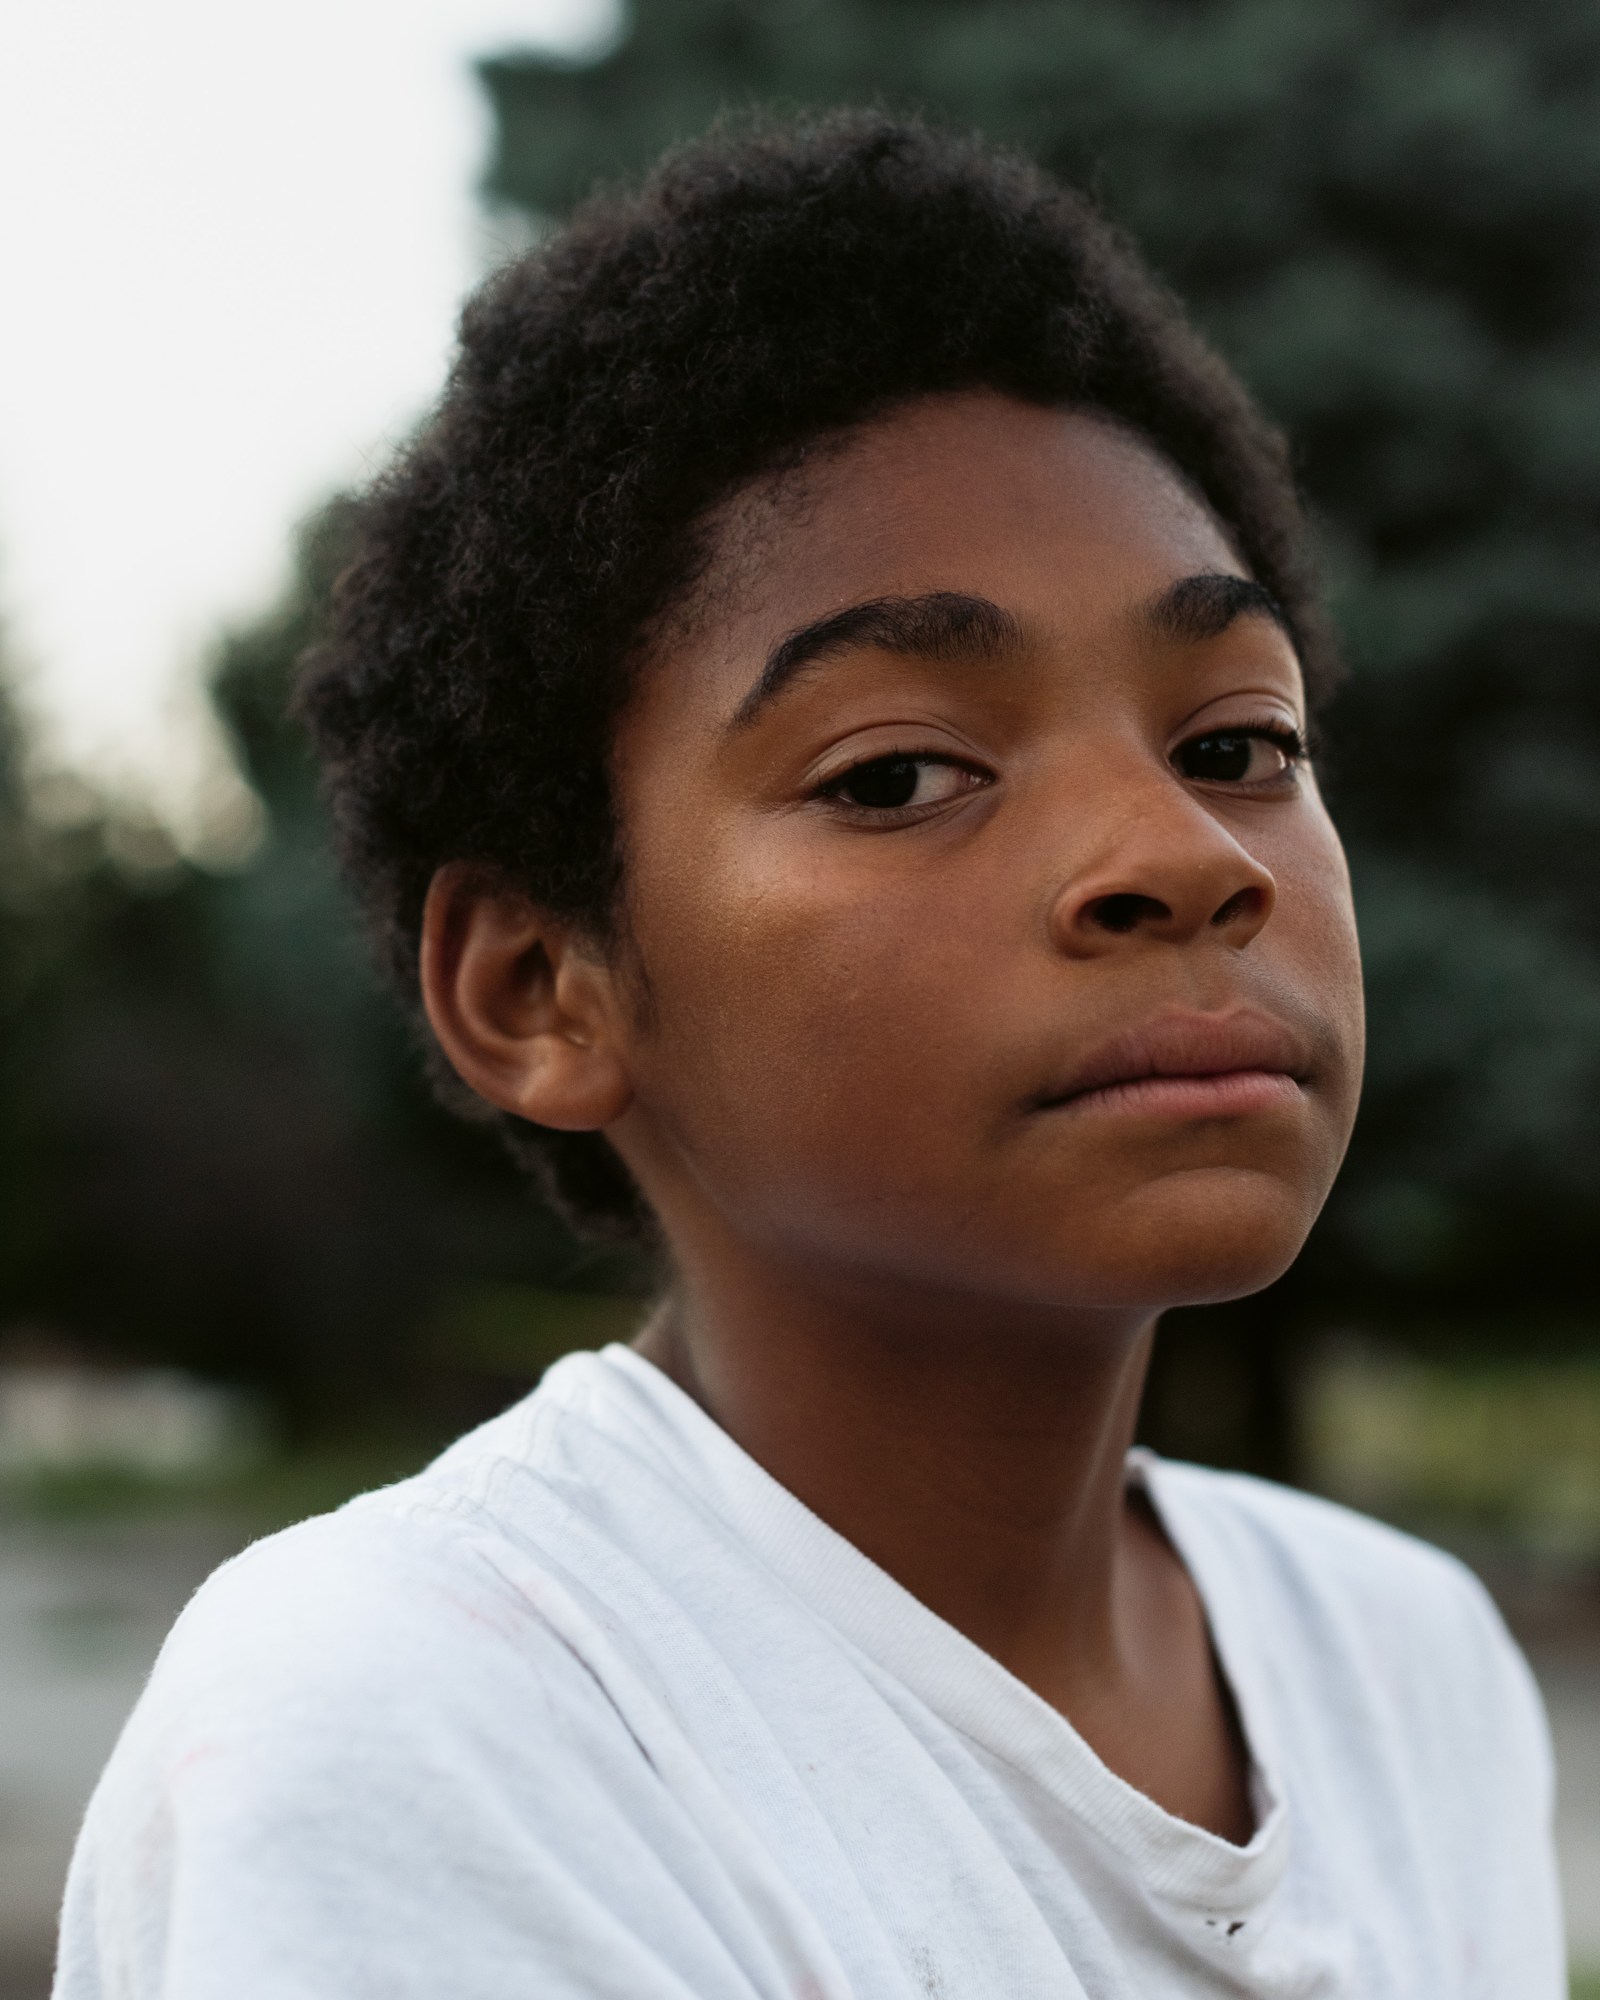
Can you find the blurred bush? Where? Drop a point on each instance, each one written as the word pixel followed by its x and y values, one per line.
pixel 1504 1447
pixel 215 1144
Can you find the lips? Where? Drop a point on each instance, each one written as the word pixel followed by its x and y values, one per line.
pixel 1188 1064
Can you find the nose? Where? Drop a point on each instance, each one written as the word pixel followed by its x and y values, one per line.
pixel 1170 873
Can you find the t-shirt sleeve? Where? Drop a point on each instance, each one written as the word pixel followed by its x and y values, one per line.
pixel 1412 1704
pixel 1506 1837
pixel 1473 1723
pixel 360 1770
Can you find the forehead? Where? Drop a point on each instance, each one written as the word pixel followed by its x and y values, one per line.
pixel 1068 521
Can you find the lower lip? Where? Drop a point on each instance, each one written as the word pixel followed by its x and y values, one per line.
pixel 1234 1093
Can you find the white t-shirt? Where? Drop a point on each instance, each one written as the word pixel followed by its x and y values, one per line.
pixel 594 1707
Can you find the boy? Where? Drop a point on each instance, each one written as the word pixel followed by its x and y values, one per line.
pixel 820 716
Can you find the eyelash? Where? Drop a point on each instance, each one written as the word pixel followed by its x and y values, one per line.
pixel 1270 729
pixel 892 816
pixel 1284 736
pixel 1288 739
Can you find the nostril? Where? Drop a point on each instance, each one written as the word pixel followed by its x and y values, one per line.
pixel 1245 904
pixel 1125 912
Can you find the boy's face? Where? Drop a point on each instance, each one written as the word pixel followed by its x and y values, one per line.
pixel 928 904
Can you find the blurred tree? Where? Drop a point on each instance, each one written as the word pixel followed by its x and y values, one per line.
pixel 216 1148
pixel 18 928
pixel 1387 213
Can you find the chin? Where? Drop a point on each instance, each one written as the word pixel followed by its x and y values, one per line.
pixel 1235 1234
pixel 1196 1239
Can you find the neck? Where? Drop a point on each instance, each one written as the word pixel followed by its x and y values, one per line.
pixel 973 1451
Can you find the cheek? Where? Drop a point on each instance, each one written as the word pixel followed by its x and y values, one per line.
pixel 808 1027
pixel 1314 942
pixel 841 1061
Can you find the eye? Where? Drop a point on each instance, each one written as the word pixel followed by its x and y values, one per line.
pixel 900 783
pixel 1258 756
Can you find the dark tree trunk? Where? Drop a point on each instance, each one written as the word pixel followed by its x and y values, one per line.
pixel 1224 1389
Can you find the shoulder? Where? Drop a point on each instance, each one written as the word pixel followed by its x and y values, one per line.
pixel 1317 1551
pixel 1323 1562
pixel 379 1696
pixel 1351 1607
pixel 407 1614
pixel 1312 1545
pixel 406 1626
pixel 416 1595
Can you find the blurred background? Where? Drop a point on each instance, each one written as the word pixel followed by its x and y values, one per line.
pixel 245 1267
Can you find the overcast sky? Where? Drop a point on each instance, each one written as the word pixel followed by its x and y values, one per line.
pixel 233 239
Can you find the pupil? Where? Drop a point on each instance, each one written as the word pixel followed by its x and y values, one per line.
pixel 890 781
pixel 1222 757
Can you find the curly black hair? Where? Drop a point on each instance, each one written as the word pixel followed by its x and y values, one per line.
pixel 771 284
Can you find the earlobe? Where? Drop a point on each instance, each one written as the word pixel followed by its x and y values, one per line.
pixel 523 1008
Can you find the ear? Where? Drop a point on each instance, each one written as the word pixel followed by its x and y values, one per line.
pixel 525 1009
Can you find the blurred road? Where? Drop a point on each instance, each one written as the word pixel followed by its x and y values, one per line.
pixel 1571 1684
pixel 83 1608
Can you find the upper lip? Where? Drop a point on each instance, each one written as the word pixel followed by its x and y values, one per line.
pixel 1186 1044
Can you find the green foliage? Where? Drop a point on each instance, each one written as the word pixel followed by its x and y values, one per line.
pixel 220 1146
pixel 516 1331
pixel 1504 1446
pixel 255 1499
pixel 1388 216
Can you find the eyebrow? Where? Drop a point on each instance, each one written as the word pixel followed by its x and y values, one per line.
pixel 940 625
pixel 953 625
pixel 1197 608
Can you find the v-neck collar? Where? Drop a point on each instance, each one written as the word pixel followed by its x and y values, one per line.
pixel 963 1685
